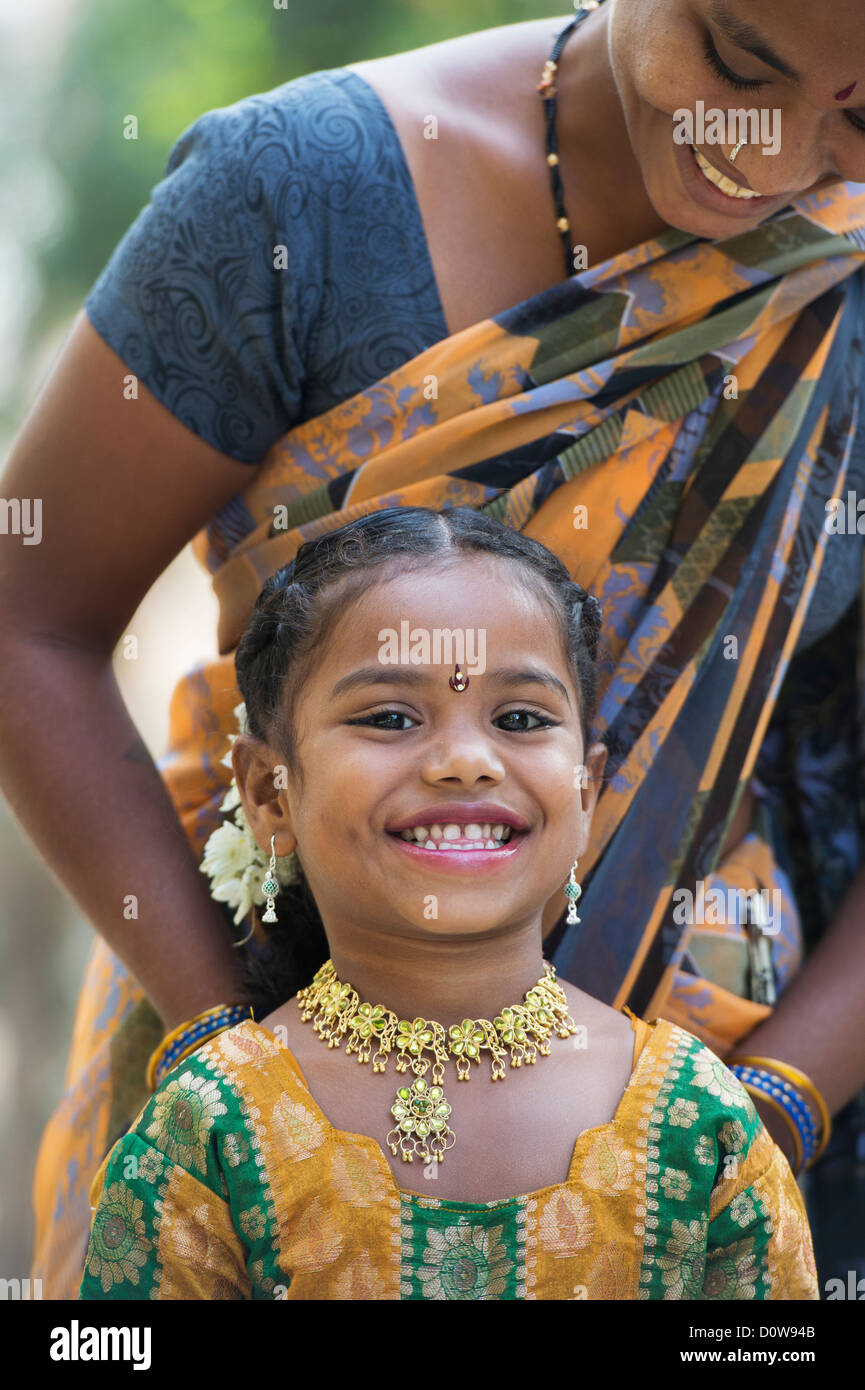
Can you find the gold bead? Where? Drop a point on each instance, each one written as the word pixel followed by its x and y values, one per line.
pixel 552 159
pixel 563 224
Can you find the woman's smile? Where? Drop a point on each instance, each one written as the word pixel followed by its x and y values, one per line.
pixel 699 187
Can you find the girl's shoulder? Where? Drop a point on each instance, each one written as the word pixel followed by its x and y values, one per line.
pixel 688 1066
pixel 682 1106
pixel 676 1079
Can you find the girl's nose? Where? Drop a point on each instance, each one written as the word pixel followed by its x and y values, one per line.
pixel 464 758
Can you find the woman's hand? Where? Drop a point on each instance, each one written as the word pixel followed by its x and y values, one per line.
pixel 817 1022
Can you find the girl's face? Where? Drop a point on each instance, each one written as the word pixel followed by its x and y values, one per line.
pixel 385 747
pixel 658 53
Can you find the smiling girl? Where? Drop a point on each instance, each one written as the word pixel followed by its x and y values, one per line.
pixel 432 816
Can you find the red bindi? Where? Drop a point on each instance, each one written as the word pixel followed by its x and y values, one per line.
pixel 843 95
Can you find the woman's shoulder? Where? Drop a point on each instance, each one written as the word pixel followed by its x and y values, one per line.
pixel 320 113
pixel 483 57
pixel 289 179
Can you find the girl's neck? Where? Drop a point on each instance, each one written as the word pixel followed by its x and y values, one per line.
pixel 440 979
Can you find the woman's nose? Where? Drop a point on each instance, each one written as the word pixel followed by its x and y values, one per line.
pixel 805 153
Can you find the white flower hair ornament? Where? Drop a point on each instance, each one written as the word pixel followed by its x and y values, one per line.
pixel 232 858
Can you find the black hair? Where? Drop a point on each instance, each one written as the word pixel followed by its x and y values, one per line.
pixel 298 608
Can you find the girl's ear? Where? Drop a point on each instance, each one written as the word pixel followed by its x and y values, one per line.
pixel 596 760
pixel 258 775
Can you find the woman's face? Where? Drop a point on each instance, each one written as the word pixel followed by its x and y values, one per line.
pixel 387 745
pixel 809 115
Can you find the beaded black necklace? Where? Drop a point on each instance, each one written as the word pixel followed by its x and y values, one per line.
pixel 547 89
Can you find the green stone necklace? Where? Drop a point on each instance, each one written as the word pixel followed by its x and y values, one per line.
pixel 421 1110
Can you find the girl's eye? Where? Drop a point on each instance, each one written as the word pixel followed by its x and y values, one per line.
pixel 543 723
pixel 856 121
pixel 720 69
pixel 384 719
pixel 376 720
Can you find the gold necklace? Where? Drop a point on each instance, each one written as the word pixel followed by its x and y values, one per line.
pixel 421 1110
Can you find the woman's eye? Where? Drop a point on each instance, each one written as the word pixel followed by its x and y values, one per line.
pixel 720 69
pixel 542 721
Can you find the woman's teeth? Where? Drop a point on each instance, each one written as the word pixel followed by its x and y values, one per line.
pixel 732 190
pixel 453 836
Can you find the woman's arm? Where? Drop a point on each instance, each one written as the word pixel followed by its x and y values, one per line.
pixel 817 1022
pixel 123 486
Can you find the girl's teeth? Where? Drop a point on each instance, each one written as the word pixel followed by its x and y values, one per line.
pixel 470 837
pixel 733 190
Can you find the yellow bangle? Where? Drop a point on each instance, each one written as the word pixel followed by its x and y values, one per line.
pixel 804 1084
pixel 221 1015
pixel 756 1094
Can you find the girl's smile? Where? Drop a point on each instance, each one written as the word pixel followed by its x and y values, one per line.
pixel 467 838
pixel 462 847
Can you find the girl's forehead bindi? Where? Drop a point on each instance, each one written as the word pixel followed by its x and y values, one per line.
pixel 845 92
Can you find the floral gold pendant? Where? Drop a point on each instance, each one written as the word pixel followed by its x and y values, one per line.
pixel 422 1130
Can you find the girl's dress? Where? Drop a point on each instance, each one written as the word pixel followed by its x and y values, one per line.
pixel 232 1184
pixel 699 401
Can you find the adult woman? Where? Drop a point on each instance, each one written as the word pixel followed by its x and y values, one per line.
pixel 483 202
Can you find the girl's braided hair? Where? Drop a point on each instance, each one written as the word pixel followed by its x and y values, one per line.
pixel 296 611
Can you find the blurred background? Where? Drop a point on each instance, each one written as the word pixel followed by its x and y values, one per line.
pixel 70 186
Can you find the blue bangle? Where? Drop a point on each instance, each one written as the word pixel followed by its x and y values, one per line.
pixel 788 1098
pixel 198 1033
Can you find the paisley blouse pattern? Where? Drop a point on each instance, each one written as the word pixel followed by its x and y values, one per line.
pixel 235 344
pixel 232 1184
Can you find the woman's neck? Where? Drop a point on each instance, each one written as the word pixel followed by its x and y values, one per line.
pixel 595 147
pixel 440 979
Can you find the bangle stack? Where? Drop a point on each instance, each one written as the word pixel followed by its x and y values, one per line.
pixel 788 1090
pixel 189 1036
